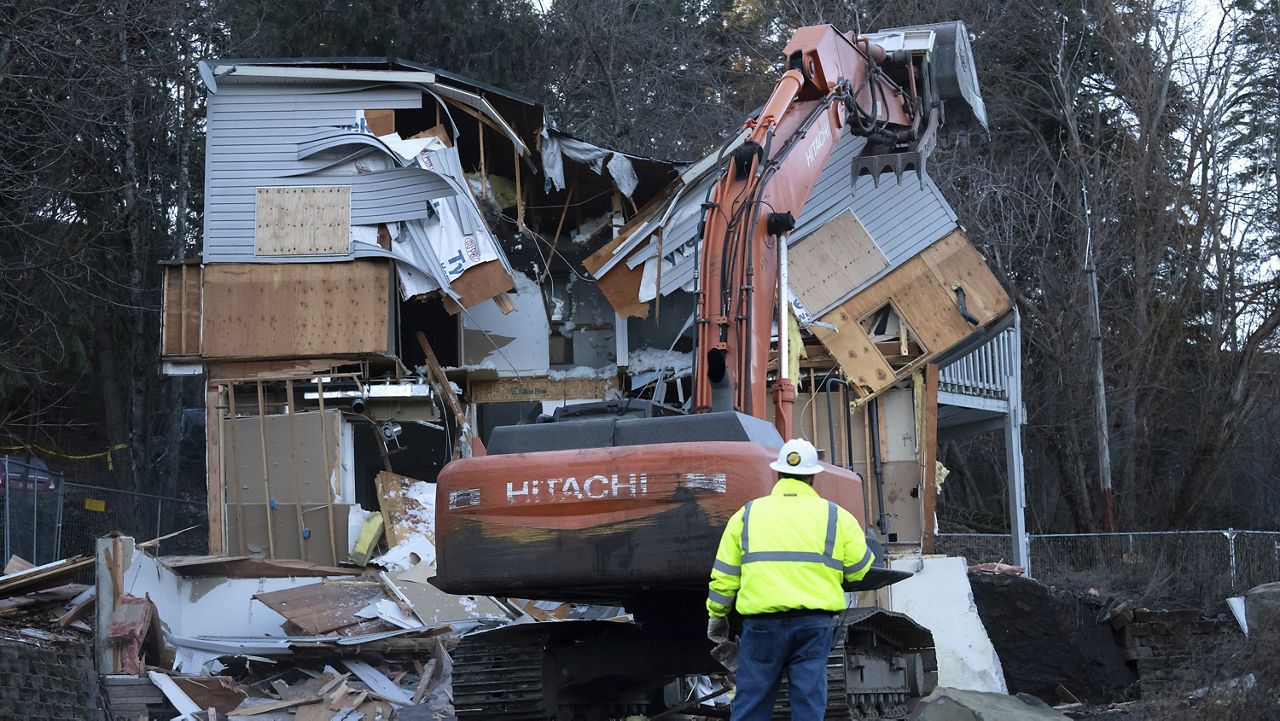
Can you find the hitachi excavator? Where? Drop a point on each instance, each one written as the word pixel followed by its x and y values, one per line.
pixel 626 507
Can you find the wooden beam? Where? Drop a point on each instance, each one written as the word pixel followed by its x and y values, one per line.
pixel 235 463
pixel 436 373
pixel 293 471
pixel 929 456
pixel 215 481
pixel 555 239
pixel 266 471
pixel 328 475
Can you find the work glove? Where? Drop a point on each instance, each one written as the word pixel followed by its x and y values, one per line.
pixel 724 651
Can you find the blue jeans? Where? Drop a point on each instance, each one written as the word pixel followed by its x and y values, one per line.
pixel 797 646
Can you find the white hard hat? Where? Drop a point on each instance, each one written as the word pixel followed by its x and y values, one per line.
pixel 797 456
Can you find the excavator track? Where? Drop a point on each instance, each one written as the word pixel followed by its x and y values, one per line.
pixel 879 662
pixel 500 677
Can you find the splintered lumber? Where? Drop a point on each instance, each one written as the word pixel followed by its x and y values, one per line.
pixel 319 608
pixel 276 706
pixel 377 682
pixel 17 563
pixel 41 577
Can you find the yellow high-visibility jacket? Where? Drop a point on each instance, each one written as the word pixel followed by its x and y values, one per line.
pixel 788 551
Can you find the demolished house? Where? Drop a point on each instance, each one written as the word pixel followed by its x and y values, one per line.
pixel 396 261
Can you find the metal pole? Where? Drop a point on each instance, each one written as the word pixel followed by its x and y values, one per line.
pixel 1014 421
pixel 1230 533
pixel 1099 383
pixel 8 483
pixel 159 515
pixel 57 530
pixel 35 516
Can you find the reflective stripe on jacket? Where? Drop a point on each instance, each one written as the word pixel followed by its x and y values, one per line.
pixel 787 551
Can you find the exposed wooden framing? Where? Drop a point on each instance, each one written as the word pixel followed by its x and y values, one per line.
pixel 215 498
pixel 266 471
pixel 838 441
pixel 515 161
pixel 484 173
pixel 869 475
pixel 813 407
pixel 235 460
pixel 328 475
pixel 555 239
pixel 929 457
pixel 293 472
pixel 182 309
pixel 436 372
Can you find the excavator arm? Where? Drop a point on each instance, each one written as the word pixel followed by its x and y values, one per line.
pixel 834 83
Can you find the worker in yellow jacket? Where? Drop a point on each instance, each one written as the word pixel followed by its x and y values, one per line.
pixel 781 564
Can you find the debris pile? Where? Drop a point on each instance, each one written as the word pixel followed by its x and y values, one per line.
pixel 231 636
pixel 42 603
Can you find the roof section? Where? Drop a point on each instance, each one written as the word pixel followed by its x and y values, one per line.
pixel 903 217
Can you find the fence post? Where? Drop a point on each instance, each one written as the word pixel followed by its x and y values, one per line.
pixel 57 531
pixel 35 516
pixel 1230 533
pixel 159 515
pixel 8 483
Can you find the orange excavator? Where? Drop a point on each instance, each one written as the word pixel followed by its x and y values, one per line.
pixel 625 506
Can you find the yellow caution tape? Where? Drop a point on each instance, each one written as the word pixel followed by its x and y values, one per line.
pixel 71 456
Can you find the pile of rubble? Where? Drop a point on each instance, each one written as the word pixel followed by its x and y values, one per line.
pixel 213 637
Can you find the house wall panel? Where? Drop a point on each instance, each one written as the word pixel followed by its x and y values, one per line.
pixel 297 310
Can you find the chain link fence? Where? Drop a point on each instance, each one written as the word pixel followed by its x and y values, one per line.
pixel 1196 568
pixel 44 518
pixel 88 512
pixel 29 500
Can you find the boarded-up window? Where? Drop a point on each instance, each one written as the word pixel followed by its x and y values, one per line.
pixel 833 261
pixel 303 221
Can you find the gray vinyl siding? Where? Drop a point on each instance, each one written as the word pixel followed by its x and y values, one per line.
pixel 902 217
pixel 256 130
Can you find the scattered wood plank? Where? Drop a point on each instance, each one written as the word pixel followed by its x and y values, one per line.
pixel 377 682
pixel 276 706
pixel 319 608
pixel 17 563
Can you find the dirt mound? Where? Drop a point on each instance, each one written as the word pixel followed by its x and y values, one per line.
pixel 1048 637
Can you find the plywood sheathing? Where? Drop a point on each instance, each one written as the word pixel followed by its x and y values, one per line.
pixel 319 608
pixel 295 310
pixel 539 389
pixel 922 291
pixel 478 284
pixel 180 329
pixel 309 220
pixel 399 509
pixel 621 285
pixel 833 259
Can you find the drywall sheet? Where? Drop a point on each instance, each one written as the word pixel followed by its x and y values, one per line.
pixel 309 220
pixel 514 344
pixel 297 310
pixel 283 531
pixel 838 256
pixel 940 598
pixel 302 452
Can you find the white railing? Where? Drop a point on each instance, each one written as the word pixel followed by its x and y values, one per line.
pixel 985 372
